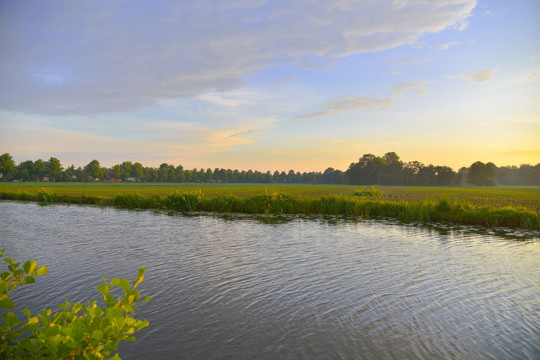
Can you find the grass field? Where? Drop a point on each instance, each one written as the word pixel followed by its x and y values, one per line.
pixel 517 207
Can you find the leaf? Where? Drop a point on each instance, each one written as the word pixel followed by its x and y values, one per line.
pixel 97 335
pixel 32 321
pixel 42 271
pixel 114 282
pixel 27 313
pixel 103 289
pixel 124 285
pixel 11 319
pixel 6 302
pixel 29 267
pixel 140 278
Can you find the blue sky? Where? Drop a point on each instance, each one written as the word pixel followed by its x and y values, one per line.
pixel 270 85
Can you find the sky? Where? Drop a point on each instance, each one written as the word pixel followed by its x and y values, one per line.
pixel 270 85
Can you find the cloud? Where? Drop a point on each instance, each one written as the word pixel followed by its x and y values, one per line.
pixel 348 103
pixel 88 57
pixel 418 88
pixel 478 76
pixel 241 133
pixel 448 45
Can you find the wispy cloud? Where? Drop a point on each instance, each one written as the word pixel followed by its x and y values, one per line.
pixel 240 133
pixel 92 58
pixel 448 45
pixel 417 87
pixel 351 103
pixel 348 103
pixel 478 76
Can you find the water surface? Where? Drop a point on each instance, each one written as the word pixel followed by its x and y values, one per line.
pixel 312 289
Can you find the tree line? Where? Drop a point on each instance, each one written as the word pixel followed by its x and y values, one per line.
pixel 370 169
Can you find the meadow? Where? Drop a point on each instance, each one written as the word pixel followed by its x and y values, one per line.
pixel 517 207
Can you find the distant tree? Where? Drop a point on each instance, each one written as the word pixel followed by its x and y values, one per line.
pixel 461 176
pixel 366 170
pixel 137 171
pixel 54 168
pixel 410 172
pixel 528 174
pixel 391 172
pixel 163 172
pixel 427 176
pixel 40 169
pixel 26 171
pixel 94 170
pixel 7 167
pixel 444 176
pixel 116 172
pixel 126 169
pixel 481 174
pixel 69 173
pixel 179 171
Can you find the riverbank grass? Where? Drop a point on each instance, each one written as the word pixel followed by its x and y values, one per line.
pixel 365 202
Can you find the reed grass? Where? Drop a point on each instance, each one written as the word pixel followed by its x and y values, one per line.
pixel 442 210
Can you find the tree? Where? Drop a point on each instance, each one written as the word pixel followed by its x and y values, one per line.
pixel 26 171
pixel 94 170
pixel 366 170
pixel 54 168
pixel 69 173
pixel 391 173
pixel 126 168
pixel 117 172
pixel 481 174
pixel 137 171
pixel 78 330
pixel 40 169
pixel 7 167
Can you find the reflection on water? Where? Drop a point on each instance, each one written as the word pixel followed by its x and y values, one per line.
pixel 240 287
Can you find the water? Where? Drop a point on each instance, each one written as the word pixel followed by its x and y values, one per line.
pixel 311 289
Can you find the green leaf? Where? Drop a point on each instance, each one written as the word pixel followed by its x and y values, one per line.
pixel 42 271
pixel 97 335
pixel 30 280
pixel 103 289
pixel 130 338
pixel 115 282
pixel 11 319
pixel 6 302
pixel 124 285
pixel 27 313
pixel 29 267
pixel 140 277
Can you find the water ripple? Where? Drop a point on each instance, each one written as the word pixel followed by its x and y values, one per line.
pixel 308 289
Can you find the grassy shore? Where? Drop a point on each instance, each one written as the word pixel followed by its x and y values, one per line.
pixel 516 207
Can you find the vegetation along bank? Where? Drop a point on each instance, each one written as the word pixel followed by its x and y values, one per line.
pixel 515 207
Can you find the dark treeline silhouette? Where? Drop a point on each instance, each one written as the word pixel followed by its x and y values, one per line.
pixel 388 169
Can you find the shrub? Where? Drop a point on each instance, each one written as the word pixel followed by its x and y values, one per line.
pixel 77 331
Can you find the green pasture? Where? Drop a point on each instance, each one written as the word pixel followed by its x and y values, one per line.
pixel 108 190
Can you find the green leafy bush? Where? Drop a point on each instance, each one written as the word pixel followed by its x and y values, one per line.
pixel 76 331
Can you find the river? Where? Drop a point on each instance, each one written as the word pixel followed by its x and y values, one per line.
pixel 320 288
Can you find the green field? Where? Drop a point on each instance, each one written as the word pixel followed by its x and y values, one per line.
pixel 517 207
